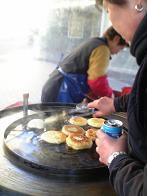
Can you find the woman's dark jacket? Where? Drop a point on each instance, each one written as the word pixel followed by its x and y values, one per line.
pixel 128 173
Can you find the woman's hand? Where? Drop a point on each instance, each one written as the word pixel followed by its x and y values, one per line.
pixel 104 105
pixel 106 145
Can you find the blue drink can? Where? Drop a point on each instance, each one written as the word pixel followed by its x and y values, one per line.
pixel 113 127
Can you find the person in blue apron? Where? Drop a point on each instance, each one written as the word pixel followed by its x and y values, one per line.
pixel 83 73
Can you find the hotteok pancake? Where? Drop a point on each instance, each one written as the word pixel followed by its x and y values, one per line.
pixel 54 137
pixel 68 129
pixel 78 142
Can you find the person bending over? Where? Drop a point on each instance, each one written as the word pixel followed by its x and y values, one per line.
pixel 83 73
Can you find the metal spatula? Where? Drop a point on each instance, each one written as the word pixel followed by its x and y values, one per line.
pixel 82 109
pixel 60 117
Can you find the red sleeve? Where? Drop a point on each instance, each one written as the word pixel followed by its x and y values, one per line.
pixel 100 87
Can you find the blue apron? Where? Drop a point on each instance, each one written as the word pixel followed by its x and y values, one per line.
pixel 73 88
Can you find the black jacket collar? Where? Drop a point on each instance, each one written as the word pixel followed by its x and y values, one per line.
pixel 139 42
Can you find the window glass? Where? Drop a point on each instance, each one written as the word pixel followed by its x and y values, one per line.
pixel 70 24
pixel 122 70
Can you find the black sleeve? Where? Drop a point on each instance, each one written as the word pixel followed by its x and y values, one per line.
pixel 121 103
pixel 128 176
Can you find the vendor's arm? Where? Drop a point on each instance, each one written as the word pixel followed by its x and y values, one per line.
pixel 106 105
pixel 97 72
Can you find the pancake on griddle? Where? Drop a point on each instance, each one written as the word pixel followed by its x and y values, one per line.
pixel 68 129
pixel 36 123
pixel 78 120
pixel 78 142
pixel 54 137
pixel 91 133
pixel 95 122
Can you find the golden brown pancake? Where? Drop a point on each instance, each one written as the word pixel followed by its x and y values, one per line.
pixel 95 122
pixel 78 141
pixel 68 129
pixel 54 137
pixel 78 120
pixel 91 133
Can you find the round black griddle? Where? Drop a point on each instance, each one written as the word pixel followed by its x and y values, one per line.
pixel 25 144
pixel 32 167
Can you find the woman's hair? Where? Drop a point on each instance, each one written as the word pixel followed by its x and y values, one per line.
pixel 110 33
pixel 117 2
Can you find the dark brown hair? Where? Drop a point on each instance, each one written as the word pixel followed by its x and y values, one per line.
pixel 110 33
pixel 118 2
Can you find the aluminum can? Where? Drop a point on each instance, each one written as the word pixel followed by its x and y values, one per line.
pixel 113 127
